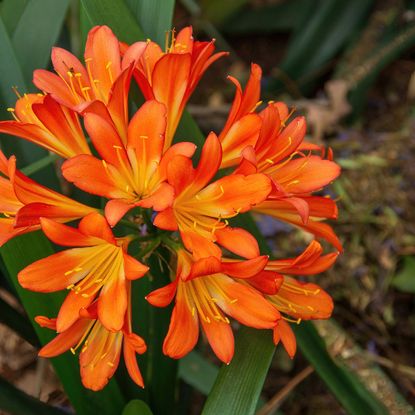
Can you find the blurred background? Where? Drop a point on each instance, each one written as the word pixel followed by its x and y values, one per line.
pixel 348 65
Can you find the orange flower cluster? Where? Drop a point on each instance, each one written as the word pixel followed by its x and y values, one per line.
pixel 259 162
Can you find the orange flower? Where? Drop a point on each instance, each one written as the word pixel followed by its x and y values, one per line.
pixel 296 300
pixel 199 207
pixel 98 266
pixel 170 77
pixel 132 172
pixel 243 125
pixel 100 348
pixel 277 151
pixel 206 292
pixel 105 78
pixel 41 120
pixel 23 202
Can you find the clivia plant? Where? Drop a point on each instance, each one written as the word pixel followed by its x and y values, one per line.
pixel 163 197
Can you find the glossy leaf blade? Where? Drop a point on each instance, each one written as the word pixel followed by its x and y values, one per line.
pixel 153 16
pixel 37 31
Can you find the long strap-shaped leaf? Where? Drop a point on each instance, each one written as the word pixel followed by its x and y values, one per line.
pixel 153 16
pixel 19 253
pixel 35 35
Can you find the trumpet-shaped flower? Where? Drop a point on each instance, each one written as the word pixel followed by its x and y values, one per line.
pixel 130 174
pixel 100 349
pixel 98 266
pixel 41 120
pixel 205 293
pixel 296 300
pixel 280 152
pixel 203 209
pixel 23 202
pixel 104 78
pixel 171 76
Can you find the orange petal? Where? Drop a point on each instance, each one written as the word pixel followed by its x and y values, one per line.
pixel 146 135
pixel 64 126
pixel 307 300
pixel 55 272
pixel 170 80
pixel 243 133
pixel 112 303
pixel 64 341
pixel 239 241
pixel 115 209
pixel 180 173
pixel 70 308
pixel 103 51
pixel 49 82
pixel 106 140
pixel 183 331
pixel 210 160
pixel 163 296
pixel 130 361
pixel 244 269
pixel 185 149
pixel 267 282
pixel 283 332
pixel 133 269
pixel 204 266
pixel 233 194
pixel 91 175
pixel 166 220
pixel 66 235
pixel 250 307
pixel 96 225
pixel 220 337
pixel 306 174
pixel 160 199
pixel 99 361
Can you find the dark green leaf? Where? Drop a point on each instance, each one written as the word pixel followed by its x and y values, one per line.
pixel 11 74
pixel 136 407
pixel 405 279
pixel 154 17
pixel 238 386
pixel 198 372
pixel 115 14
pixel 16 402
pixel 36 32
pixel 11 11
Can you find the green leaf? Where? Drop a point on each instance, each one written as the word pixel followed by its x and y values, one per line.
pixel 11 11
pixel 18 253
pixel 36 32
pixel 270 18
pixel 405 279
pixel 16 402
pixel 346 386
pixel 198 372
pixel 136 407
pixel 154 17
pixel 238 386
pixel 11 74
pixel 117 15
